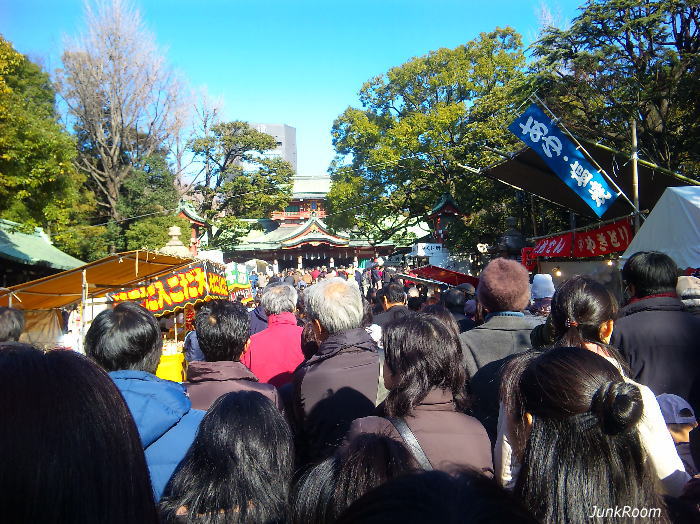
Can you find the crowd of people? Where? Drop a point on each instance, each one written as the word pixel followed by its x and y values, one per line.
pixel 352 400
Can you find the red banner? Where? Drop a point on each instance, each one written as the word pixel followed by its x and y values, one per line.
pixel 198 282
pixel 612 238
pixel 558 246
pixel 604 240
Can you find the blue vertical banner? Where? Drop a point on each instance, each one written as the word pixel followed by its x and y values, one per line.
pixel 562 156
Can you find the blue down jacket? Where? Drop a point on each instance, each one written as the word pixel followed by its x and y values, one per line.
pixel 167 425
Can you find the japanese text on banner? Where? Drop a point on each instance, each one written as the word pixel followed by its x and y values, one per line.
pixel 562 156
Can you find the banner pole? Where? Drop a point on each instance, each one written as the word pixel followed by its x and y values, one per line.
pixel 579 146
pixel 635 174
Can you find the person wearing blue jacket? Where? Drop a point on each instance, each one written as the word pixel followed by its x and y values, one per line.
pixel 126 342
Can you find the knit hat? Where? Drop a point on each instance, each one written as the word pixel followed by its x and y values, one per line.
pixel 542 286
pixel 504 285
pixel 675 409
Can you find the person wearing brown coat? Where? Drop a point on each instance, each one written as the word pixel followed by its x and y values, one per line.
pixel 339 383
pixel 223 331
pixel 425 379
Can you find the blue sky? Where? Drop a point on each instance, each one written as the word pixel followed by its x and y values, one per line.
pixel 295 62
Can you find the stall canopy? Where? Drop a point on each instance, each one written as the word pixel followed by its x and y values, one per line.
pixel 527 171
pixel 673 227
pixel 446 276
pixel 113 272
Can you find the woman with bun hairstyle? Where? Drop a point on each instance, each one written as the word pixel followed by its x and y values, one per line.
pixel 583 315
pixel 575 432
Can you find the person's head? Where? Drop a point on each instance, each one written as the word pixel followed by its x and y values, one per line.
pixel 421 354
pixel 542 286
pixel 575 435
pixel 393 295
pixel 468 289
pixel 678 415
pixel 454 300
pixel 437 497
pixel 125 337
pixel 239 467
pixel 11 323
pixel 334 306
pixel 583 310
pixel 367 461
pixel 71 452
pixel 223 330
pixel 443 314
pixel 413 292
pixel 650 273
pixel 279 299
pixel 415 303
pixel 309 342
pixel 504 285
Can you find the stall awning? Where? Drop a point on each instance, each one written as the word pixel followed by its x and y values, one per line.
pixel 447 276
pixel 527 171
pixel 108 274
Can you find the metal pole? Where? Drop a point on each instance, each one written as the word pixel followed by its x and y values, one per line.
pixel 635 175
pixel 83 312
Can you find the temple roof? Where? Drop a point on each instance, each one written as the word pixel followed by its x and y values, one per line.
pixel 187 209
pixel 311 187
pixel 33 248
pixel 286 236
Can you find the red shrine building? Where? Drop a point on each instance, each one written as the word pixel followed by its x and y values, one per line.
pixel 298 237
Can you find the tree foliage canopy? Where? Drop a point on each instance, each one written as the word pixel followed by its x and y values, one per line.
pixel 418 125
pixel 239 181
pixel 624 59
pixel 39 185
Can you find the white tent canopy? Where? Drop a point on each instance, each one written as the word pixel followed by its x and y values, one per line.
pixel 672 227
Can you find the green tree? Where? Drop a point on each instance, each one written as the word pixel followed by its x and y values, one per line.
pixel 239 181
pixel 38 184
pixel 419 124
pixel 152 232
pixel 624 59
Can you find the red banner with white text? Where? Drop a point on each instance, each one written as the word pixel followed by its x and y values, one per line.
pixel 611 238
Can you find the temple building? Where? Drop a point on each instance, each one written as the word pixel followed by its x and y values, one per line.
pixel 298 237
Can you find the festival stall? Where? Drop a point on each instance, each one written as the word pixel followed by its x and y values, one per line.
pixel 238 279
pixel 439 275
pixel 672 227
pixel 162 283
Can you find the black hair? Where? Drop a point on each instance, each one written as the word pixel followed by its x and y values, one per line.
pixel 583 448
pixel 437 497
pixel 579 307
pixel 443 314
pixel 651 273
pixel 238 468
pixel 223 328
pixel 309 341
pixel 11 323
pixel 415 303
pixel 125 337
pixel 71 450
pixel 367 316
pixel 454 299
pixel 394 293
pixel 423 354
pixel 367 461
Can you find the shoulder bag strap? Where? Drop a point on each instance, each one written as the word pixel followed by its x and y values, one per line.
pixel 411 442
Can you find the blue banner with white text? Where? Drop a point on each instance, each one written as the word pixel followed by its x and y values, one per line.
pixel 541 134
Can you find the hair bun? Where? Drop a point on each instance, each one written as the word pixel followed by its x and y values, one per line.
pixel 618 406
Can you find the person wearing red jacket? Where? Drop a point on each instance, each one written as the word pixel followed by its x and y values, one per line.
pixel 275 352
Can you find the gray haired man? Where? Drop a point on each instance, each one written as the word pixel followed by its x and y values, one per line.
pixel 339 383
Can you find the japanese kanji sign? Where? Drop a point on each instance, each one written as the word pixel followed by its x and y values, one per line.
pixel 612 238
pixel 562 156
pixel 194 284
pixel 607 239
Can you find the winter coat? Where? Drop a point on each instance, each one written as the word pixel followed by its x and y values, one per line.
pixel 487 348
pixel 164 417
pixel 661 343
pixel 275 352
pixel 258 320
pixel 207 381
pixel 448 438
pixel 333 388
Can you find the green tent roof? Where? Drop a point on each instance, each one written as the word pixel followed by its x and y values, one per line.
pixel 32 248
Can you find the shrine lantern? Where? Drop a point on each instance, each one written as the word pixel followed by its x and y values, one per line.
pixel 442 215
